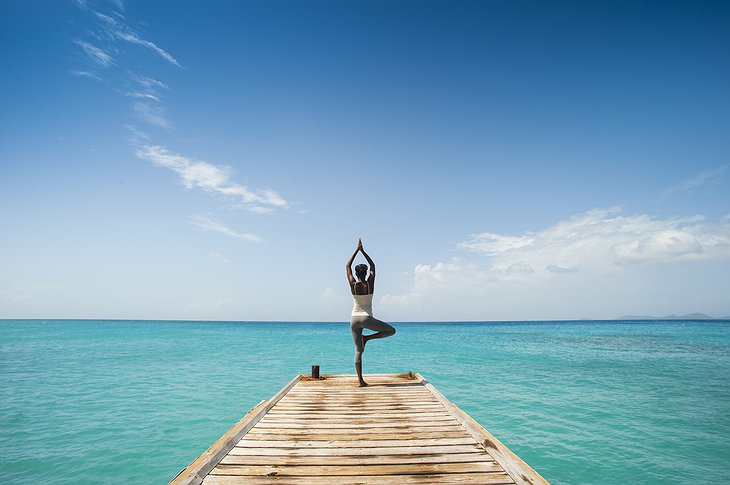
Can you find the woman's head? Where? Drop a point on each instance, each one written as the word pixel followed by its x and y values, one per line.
pixel 361 271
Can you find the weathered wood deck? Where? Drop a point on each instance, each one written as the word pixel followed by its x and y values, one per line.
pixel 400 429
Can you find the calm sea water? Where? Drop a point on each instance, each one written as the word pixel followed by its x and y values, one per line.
pixel 581 402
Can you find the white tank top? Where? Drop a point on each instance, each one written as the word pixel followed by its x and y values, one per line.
pixel 363 304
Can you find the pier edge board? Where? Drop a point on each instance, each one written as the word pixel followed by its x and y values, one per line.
pixel 194 473
pixel 520 471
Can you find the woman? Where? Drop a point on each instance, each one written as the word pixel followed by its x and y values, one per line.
pixel 362 311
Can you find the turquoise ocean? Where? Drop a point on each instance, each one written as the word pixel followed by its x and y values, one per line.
pixel 610 402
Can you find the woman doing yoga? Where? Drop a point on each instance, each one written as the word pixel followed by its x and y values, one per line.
pixel 362 290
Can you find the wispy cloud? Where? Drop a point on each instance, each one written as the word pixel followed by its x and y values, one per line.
pixel 135 39
pixel 141 95
pixel 700 179
pixel 137 137
pixel 212 178
pixel 85 74
pixel 124 32
pixel 150 84
pixel 96 54
pixel 210 223
pixel 149 106
pixel 213 256
pixel 153 114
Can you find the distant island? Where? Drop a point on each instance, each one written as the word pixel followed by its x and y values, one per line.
pixel 689 316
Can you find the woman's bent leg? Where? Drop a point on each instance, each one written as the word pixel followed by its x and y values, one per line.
pixel 383 329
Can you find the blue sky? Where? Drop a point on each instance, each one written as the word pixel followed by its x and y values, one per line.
pixel 501 160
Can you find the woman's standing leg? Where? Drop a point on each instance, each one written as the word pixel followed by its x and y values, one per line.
pixel 356 329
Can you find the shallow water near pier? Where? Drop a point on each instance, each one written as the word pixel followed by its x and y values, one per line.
pixel 581 402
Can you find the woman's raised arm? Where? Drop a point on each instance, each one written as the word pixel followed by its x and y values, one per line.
pixel 348 266
pixel 371 276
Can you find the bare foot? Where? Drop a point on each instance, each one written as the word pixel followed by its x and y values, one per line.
pixel 364 339
pixel 364 384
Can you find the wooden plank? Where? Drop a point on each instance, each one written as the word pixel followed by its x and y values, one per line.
pixel 437 426
pixel 520 471
pixel 333 380
pixel 451 478
pixel 353 387
pixel 359 394
pixel 394 377
pixel 251 443
pixel 194 473
pixel 302 418
pixel 355 460
pixel 359 406
pixel 401 435
pixel 362 403
pixel 383 408
pixel 352 384
pixel 354 470
pixel 362 396
pixel 379 451
pixel 358 428
pixel 347 412
pixel 360 400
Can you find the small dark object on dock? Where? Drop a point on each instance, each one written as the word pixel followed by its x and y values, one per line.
pixel 315 371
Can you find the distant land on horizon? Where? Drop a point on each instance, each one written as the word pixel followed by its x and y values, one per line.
pixel 689 316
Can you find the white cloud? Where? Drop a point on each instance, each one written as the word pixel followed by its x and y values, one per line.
pixel 142 95
pixel 124 32
pixel 153 114
pixel 135 39
pixel 96 54
pixel 148 105
pixel 85 74
pixel 575 264
pixel 213 256
pixel 212 178
pixel 210 223
pixel 491 244
pixel 150 84
pixel 137 136
pixel 601 240
pixel 699 180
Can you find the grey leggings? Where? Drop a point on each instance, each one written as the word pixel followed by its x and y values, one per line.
pixel 357 324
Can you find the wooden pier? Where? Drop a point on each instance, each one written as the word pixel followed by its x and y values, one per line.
pixel 400 429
